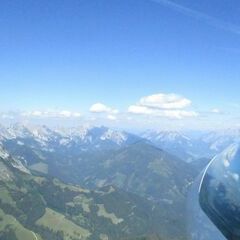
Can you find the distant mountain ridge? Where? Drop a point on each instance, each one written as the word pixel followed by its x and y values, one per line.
pixel 172 141
pixel 95 137
pixel 177 143
pixel 189 148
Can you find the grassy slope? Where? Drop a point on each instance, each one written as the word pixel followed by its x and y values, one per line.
pixel 9 222
pixel 54 210
pixel 58 222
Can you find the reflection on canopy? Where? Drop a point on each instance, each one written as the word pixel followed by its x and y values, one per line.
pixel 219 192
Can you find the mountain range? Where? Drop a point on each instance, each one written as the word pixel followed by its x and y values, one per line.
pixel 190 148
pixel 102 183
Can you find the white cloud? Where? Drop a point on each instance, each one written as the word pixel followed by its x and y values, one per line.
pixel 99 108
pixel 112 117
pixel 137 109
pixel 215 110
pixel 65 113
pixel 68 114
pixel 115 111
pixel 165 101
pixel 102 108
pixel 179 114
pixel 76 114
pixel 51 114
pixel 6 116
pixel 37 113
pixel 163 105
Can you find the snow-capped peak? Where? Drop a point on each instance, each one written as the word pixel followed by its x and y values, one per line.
pixel 50 138
pixel 115 136
pixel 165 136
pixel 3 153
pixel 18 131
pixel 80 131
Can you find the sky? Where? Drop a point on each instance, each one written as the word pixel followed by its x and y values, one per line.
pixel 134 64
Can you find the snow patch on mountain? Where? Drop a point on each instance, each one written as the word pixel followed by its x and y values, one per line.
pixel 115 136
pixel 3 153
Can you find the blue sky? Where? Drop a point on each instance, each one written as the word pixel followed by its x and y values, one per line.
pixel 60 57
